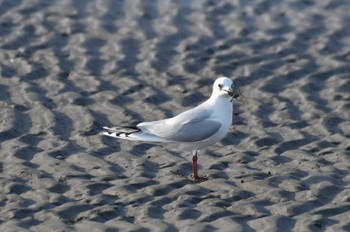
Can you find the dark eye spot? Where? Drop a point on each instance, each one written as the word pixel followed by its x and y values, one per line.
pixel 220 86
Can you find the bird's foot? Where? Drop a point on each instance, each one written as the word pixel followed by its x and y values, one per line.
pixel 199 179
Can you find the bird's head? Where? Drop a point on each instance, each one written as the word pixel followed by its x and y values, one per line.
pixel 224 87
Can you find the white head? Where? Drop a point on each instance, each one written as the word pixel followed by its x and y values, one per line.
pixel 223 86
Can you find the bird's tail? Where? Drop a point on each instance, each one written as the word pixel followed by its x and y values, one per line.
pixel 132 133
pixel 121 132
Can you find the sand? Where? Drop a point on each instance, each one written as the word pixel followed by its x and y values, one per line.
pixel 70 67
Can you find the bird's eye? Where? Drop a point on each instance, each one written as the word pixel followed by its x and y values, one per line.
pixel 220 86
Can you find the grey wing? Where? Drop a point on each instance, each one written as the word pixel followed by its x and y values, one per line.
pixel 196 131
pixel 191 131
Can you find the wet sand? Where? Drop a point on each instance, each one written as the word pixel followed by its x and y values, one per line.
pixel 67 68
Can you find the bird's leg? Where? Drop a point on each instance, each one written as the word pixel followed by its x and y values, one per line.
pixel 195 176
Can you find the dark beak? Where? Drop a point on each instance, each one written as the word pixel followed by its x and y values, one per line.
pixel 236 93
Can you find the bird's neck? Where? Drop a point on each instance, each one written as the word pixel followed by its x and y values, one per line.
pixel 217 100
pixel 214 98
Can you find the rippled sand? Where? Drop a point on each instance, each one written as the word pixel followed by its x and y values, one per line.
pixel 67 68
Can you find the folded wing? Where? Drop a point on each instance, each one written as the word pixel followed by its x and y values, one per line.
pixel 197 129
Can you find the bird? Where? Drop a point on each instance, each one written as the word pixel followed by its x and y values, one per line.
pixel 192 130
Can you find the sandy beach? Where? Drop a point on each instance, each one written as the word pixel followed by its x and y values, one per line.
pixel 68 68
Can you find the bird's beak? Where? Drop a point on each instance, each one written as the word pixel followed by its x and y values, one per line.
pixel 229 91
pixel 235 93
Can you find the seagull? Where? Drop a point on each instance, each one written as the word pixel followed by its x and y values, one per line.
pixel 191 130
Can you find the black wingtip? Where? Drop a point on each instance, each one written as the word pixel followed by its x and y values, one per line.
pixel 121 131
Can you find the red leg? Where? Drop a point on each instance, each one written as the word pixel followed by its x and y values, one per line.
pixel 195 176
